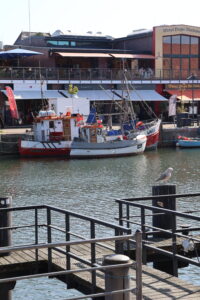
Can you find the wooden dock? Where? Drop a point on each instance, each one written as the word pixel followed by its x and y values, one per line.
pixel 155 284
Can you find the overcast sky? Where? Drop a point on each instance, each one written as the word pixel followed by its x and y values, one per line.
pixel 111 17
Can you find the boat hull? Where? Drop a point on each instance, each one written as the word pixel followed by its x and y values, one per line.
pixel 108 149
pixel 44 149
pixel 152 133
pixel 188 143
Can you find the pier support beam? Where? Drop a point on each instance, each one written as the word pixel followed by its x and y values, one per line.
pixel 118 278
pixel 165 221
pixel 6 290
pixel 5 221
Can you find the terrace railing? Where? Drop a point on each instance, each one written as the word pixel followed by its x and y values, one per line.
pixel 92 74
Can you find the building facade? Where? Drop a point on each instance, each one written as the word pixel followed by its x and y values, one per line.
pixel 155 63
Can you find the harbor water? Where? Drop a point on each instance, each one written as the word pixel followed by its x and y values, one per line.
pixel 91 187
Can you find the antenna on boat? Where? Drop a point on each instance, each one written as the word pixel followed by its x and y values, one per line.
pixel 29 20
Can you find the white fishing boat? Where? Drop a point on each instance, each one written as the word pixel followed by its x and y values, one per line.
pixel 52 135
pixel 93 142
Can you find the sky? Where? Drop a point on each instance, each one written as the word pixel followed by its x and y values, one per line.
pixel 115 18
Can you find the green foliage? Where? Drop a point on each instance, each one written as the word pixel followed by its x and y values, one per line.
pixel 73 90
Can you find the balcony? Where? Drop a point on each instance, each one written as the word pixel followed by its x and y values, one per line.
pixel 94 75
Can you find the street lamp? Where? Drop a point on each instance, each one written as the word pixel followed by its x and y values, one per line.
pixel 192 77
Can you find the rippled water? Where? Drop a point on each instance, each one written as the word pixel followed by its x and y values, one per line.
pixel 90 187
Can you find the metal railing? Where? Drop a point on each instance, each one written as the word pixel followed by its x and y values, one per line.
pixel 92 74
pixel 56 230
pixel 134 215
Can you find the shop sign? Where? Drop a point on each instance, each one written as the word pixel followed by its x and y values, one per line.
pixel 182 86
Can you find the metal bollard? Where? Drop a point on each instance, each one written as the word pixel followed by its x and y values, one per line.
pixel 117 278
pixel 6 290
pixel 5 221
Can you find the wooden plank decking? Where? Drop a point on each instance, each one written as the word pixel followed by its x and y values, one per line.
pixel 156 284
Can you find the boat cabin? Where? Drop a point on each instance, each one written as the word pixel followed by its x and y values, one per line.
pixel 49 127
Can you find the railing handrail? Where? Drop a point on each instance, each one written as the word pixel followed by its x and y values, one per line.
pixel 64 211
pixel 62 244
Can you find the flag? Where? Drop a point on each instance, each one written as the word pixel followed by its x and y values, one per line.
pixel 12 103
pixel 172 105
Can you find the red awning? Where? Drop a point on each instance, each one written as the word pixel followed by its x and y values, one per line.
pixel 70 54
pixel 115 55
pixel 186 95
pixel 134 56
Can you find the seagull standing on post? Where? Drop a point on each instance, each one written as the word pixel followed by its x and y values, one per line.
pixel 165 176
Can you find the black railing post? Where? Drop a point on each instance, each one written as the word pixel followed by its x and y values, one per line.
pixel 174 247
pixel 139 254
pixel 93 253
pixel 143 228
pixel 127 215
pixel 118 244
pixel 67 229
pixel 5 221
pixel 36 233
pixel 120 213
pixel 49 238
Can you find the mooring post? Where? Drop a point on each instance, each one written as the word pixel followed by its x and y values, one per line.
pixel 117 278
pixel 165 221
pixel 6 290
pixel 5 222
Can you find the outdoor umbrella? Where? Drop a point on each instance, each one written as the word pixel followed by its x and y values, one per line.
pixel 17 53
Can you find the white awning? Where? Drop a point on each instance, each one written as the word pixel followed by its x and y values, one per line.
pixel 22 95
pixel 145 95
pixel 133 95
pixel 95 95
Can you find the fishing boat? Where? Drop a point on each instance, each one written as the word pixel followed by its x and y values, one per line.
pixel 69 136
pixel 51 135
pixel 93 142
pixel 152 131
pixel 187 142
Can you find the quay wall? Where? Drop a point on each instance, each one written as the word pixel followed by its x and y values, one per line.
pixel 169 134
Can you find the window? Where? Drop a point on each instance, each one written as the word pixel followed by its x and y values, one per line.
pixel 63 43
pixel 51 124
pixel 176 44
pixel 194 46
pixel 185 45
pixel 52 42
pixel 167 45
pixel 73 44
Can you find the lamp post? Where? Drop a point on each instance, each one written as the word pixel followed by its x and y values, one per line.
pixel 192 77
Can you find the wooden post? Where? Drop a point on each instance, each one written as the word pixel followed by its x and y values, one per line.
pixel 5 221
pixel 118 278
pixel 164 221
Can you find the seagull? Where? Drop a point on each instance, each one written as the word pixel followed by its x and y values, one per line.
pixel 165 175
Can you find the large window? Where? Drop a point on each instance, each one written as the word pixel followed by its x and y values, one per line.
pixel 194 45
pixel 176 44
pixel 185 44
pixel 181 53
pixel 167 45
